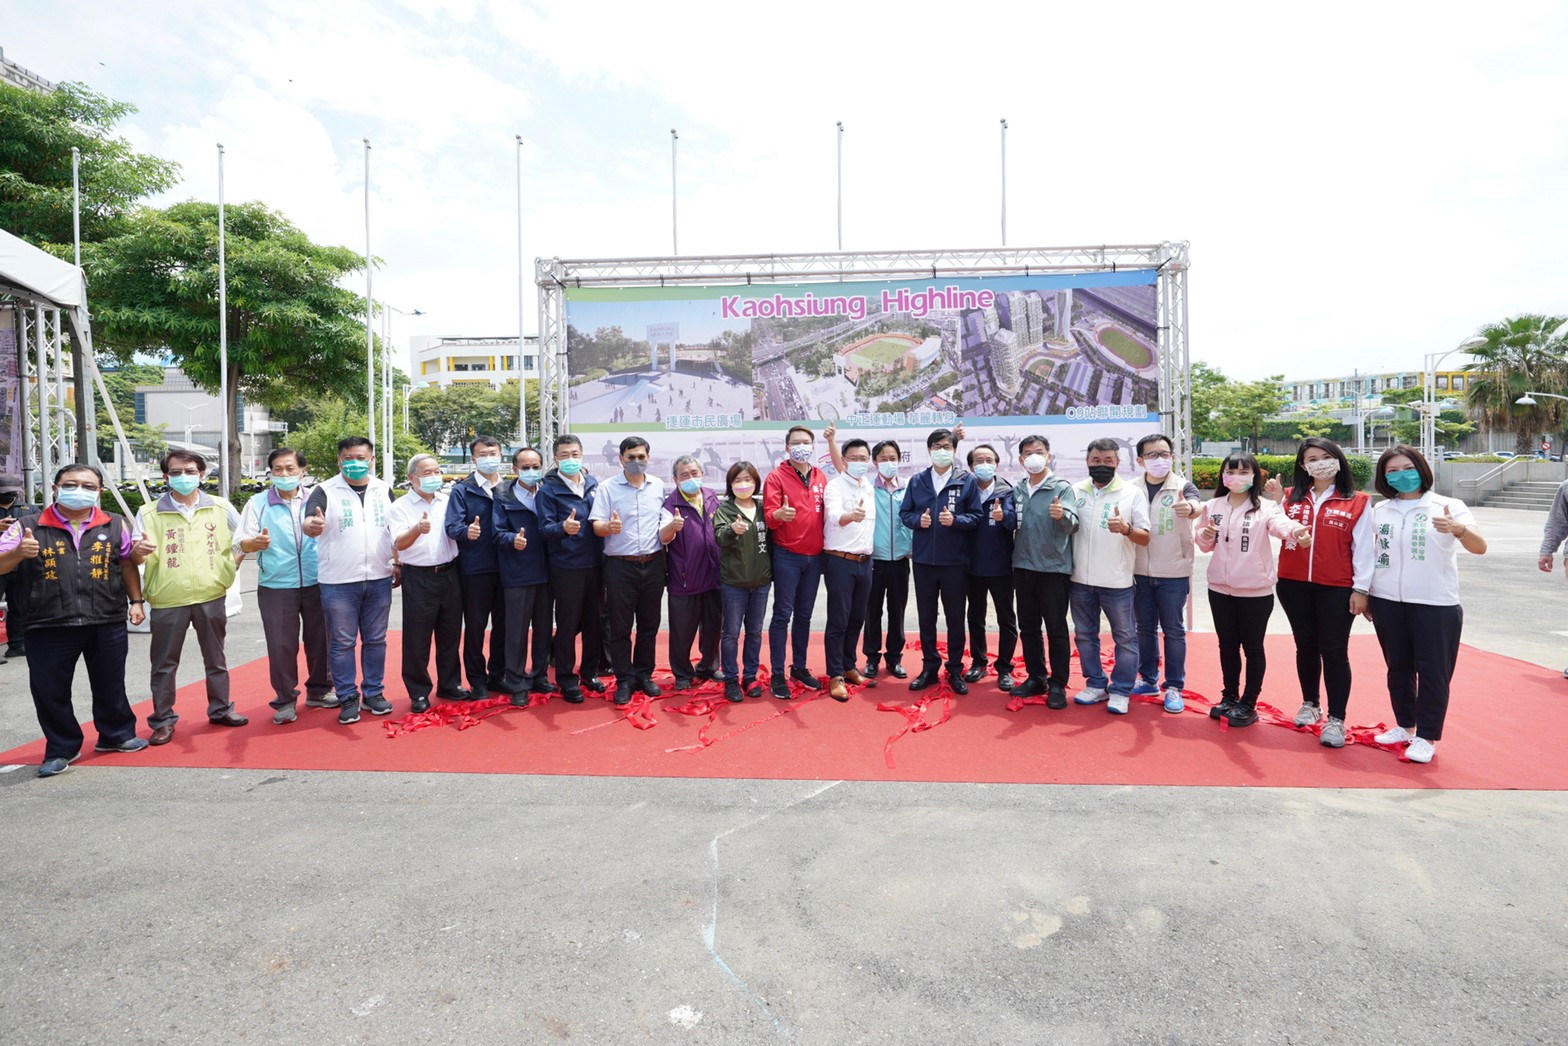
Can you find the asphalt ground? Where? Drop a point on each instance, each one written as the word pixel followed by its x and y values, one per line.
pixel 171 906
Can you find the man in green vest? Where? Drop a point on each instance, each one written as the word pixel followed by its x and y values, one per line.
pixel 186 539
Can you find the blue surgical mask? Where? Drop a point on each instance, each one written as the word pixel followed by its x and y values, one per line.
pixel 570 466
pixel 432 484
pixel 985 471
pixel 530 477
pixel 355 468
pixel 183 484
pixel 689 487
pixel 285 482
pixel 75 498
pixel 489 465
pixel 1406 481
pixel 889 469
pixel 856 469
pixel 941 458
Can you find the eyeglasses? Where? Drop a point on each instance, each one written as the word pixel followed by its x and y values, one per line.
pixel 1157 456
pixel 192 471
pixel 91 488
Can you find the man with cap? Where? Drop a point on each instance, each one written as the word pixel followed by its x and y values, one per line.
pixel 11 509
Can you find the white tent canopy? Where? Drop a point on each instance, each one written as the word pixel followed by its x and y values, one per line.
pixel 28 272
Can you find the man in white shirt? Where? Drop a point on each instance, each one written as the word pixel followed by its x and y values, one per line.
pixel 432 597
pixel 849 510
pixel 1113 517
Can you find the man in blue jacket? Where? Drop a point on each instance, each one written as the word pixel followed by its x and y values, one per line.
pixel 941 506
pixel 575 558
pixel 991 569
pixel 469 508
pixel 522 555
pixel 693 559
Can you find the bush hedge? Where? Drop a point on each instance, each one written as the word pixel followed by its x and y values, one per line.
pixel 1206 471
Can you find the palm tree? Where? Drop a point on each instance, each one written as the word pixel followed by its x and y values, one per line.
pixel 1521 354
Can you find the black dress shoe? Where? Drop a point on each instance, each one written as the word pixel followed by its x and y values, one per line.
pixel 705 676
pixel 804 677
pixel 898 670
pixel 1030 687
pixel 1057 698
pixel 162 736
pixel 454 695
pixel 520 699
pixel 974 674
pixel 649 687
pixel 1242 714
pixel 623 695
pixel 572 695
pixel 229 719
pixel 479 693
pixel 956 682
pixel 1004 682
pixel 926 678
pixel 871 668
pixel 683 684
pixel 593 683
pixel 1222 710
pixel 543 686
pixel 419 704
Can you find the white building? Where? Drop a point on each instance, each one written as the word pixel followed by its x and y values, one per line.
pixel 17 76
pixel 452 360
pixel 192 420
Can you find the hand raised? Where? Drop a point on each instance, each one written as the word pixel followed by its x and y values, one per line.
pixel 945 517
pixel 28 546
pixel 996 510
pixel 925 520
pixel 784 512
pixel 571 524
pixel 475 530
pixel 1056 510
pixel 1273 490
pixel 1116 524
pixel 678 522
pixel 314 525
pixel 520 542
pixel 1444 524
pixel 1184 509
pixel 740 526
pixel 424 523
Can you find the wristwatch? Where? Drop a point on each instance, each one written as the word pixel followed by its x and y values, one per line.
pixel 134 602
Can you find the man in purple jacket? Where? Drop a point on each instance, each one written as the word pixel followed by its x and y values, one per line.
pixel 693 557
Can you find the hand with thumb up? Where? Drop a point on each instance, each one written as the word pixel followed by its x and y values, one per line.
pixel 1116 524
pixel 925 520
pixel 1445 524
pixel 28 546
pixel 475 530
pixel 571 524
pixel 424 523
pixel 615 522
pixel 314 525
pixel 996 510
pixel 784 513
pixel 520 542
pixel 260 541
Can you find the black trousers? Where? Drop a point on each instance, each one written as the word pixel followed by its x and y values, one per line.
pixel 432 608
pixel 1421 646
pixel 578 595
pixel 944 584
pixel 1320 617
pixel 1000 591
pixel 52 654
pixel 890 587
pixel 1240 622
pixel 483 604
pixel 1044 598
pixel 697 618
pixel 527 610
pixel 285 614
pixel 634 595
pixel 849 589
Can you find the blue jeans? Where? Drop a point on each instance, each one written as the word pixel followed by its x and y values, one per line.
pixel 795 581
pixel 748 607
pixel 357 610
pixel 1160 604
pixel 1088 601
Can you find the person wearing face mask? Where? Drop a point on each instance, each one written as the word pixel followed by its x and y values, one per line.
pixel 288 595
pixel 349 515
pixel 1047 511
pixel 1162 572
pixel 745 573
pixel 1237 525
pixel 432 600
pixel 1325 584
pixel 576 562
pixel 1113 519
pixel 849 512
pixel 470 508
pixel 889 565
pixel 525 579
pixel 71 574
pixel 188 541
pixel 991 569
pixel 792 506
pixel 1414 604
pixel 696 608
pixel 941 507
pixel 11 509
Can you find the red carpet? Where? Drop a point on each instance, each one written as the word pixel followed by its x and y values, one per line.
pixel 1505 728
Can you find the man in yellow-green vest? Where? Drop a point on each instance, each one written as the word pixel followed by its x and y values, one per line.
pixel 187 541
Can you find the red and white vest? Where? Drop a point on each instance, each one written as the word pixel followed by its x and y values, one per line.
pixel 1327 561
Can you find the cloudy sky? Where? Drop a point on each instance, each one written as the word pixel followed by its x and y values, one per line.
pixel 1361 182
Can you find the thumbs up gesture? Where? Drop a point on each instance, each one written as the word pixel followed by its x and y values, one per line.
pixel 678 522
pixel 925 520
pixel 831 431
pixel 424 523
pixel 314 525
pixel 1056 510
pixel 784 513
pixel 1211 529
pixel 474 530
pixel 571 524
pixel 615 522
pixel 1445 524
pixel 1273 489
pixel 1116 524
pixel 29 544
pixel 1303 537
pixel 520 542
pixel 1184 509
pixel 996 510
pixel 740 526
pixel 143 548
pixel 261 541
pixel 858 513
pixel 945 517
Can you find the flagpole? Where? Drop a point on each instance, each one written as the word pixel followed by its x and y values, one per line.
pixel 675 241
pixel 370 310
pixel 522 383
pixel 223 340
pixel 841 185
pixel 1004 182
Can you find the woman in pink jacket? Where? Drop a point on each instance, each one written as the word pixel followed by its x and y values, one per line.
pixel 1236 528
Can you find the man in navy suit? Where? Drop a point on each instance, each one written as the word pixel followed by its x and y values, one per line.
pixel 941 508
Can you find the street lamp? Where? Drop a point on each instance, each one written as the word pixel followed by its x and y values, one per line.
pixel 1429 392
pixel 387 442
pixel 1381 414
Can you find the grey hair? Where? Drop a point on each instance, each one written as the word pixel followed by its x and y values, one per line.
pixel 415 461
pixel 684 459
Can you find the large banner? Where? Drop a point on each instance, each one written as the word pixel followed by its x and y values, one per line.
pixel 722 371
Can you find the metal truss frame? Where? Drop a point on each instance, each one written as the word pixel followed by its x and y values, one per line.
pixel 1171 258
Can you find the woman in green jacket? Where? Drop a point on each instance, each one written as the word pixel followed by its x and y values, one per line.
pixel 745 575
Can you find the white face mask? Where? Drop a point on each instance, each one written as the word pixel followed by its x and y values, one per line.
pixel 1034 464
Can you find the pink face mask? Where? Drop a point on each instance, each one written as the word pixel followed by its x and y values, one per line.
pixel 1238 482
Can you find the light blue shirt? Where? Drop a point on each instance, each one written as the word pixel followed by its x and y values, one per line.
pixel 524 495
pixel 641 510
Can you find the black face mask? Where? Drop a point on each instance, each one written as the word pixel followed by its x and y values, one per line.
pixel 7 500
pixel 1102 473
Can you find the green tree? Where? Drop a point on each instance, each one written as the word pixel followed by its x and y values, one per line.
pixel 1316 423
pixel 1244 406
pixel 37 131
pixel 1452 424
pixel 148 440
pixel 449 417
pixel 291 326
pixel 335 419
pixel 1520 355
pixel 1207 389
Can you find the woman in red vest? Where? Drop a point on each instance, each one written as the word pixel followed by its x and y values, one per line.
pixel 1324 585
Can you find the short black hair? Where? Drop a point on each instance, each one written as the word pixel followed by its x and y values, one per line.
pixel 1155 437
pixel 938 435
pixel 735 470
pixel 1103 443
pixel 853 444
pixel 78 466
pixel 522 450
pixel 876 451
pixel 970 457
pixel 299 456
pixel 566 439
pixel 799 428
pixel 1380 475
pixel 1031 439
pixel 482 441
pixel 350 442
pixel 633 442
pixel 183 455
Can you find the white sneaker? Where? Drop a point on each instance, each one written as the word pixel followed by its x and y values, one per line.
pixel 1421 750
pixel 1397 735
pixel 1118 705
pixel 1308 714
pixel 1090 695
